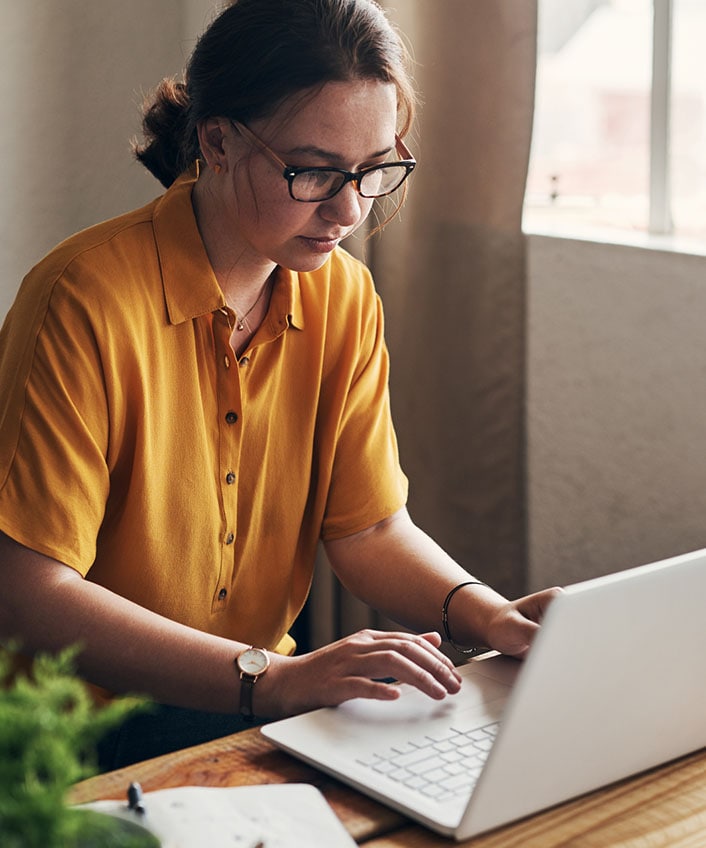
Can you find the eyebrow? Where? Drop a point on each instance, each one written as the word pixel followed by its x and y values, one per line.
pixel 313 150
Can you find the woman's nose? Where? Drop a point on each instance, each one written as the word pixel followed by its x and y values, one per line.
pixel 346 208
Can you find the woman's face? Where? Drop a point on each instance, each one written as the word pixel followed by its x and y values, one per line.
pixel 347 125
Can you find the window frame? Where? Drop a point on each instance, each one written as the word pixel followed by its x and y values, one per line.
pixel 660 215
pixel 659 229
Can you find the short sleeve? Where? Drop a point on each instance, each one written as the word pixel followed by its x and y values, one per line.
pixel 53 423
pixel 367 482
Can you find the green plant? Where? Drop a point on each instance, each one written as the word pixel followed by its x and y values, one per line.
pixel 49 727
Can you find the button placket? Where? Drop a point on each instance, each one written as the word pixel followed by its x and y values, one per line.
pixel 228 454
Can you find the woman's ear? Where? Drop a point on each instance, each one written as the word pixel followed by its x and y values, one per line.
pixel 212 134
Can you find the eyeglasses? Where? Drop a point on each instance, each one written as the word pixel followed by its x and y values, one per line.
pixel 312 185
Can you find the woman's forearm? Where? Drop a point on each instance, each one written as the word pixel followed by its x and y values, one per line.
pixel 124 647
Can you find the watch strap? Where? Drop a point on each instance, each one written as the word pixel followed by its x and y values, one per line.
pixel 247 682
pixel 250 672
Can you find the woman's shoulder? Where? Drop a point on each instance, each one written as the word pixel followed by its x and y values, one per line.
pixel 97 243
pixel 92 265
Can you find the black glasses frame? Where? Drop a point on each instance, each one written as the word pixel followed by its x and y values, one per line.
pixel 290 173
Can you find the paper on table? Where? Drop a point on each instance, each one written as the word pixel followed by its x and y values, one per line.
pixel 288 815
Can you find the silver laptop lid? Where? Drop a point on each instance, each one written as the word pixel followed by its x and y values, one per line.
pixel 614 684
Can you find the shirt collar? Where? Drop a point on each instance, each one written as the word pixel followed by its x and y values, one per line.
pixel 190 286
pixel 286 303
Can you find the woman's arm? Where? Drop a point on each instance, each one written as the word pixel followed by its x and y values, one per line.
pixel 126 648
pixel 396 568
pixel 47 605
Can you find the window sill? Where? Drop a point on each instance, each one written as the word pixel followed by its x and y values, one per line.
pixel 614 236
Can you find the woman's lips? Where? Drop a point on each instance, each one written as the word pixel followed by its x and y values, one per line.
pixel 320 244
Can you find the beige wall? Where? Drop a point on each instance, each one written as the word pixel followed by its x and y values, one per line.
pixel 616 407
pixel 72 74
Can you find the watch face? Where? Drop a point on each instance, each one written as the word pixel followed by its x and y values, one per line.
pixel 253 661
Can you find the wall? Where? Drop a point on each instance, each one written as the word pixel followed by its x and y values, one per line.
pixel 616 407
pixel 72 77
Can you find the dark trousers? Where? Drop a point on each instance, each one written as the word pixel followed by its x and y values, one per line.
pixel 162 730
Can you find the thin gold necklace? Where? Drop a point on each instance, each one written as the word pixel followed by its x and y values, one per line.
pixel 241 323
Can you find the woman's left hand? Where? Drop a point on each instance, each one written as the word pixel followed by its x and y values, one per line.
pixel 513 626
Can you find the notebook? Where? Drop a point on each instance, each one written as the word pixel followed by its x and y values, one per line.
pixel 287 815
pixel 615 683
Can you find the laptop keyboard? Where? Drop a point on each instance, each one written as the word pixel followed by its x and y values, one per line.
pixel 442 767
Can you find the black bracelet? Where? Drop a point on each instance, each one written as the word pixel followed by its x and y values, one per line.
pixel 445 619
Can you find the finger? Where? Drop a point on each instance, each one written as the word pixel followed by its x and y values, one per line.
pixel 534 606
pixel 433 638
pixel 409 661
pixel 409 643
pixel 378 690
pixel 429 641
pixel 388 689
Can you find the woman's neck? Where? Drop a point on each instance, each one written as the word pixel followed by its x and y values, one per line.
pixel 240 274
pixel 246 281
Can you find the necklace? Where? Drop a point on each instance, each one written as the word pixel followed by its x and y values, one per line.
pixel 241 323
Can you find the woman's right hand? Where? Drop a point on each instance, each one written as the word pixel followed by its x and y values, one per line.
pixel 355 667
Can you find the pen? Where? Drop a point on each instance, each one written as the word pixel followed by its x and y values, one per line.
pixel 135 804
pixel 135 799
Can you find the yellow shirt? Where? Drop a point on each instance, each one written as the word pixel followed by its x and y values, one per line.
pixel 137 449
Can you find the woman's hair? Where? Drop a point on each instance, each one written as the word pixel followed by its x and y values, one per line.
pixel 257 53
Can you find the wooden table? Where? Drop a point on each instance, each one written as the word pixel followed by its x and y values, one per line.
pixel 663 807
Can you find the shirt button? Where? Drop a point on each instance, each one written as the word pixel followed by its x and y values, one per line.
pixel 230 538
pixel 226 361
pixel 231 417
pixel 230 478
pixel 243 361
pixel 223 594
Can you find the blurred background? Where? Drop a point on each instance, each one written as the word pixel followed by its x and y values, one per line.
pixel 544 286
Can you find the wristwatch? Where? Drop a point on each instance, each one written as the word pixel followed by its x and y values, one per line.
pixel 251 664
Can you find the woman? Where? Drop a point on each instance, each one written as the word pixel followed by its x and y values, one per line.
pixel 195 393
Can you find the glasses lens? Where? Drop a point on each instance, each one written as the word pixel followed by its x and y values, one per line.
pixel 382 180
pixel 321 183
pixel 317 184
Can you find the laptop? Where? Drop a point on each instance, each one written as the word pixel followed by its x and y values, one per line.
pixel 615 683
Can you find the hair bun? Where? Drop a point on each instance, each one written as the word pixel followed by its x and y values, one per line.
pixel 164 125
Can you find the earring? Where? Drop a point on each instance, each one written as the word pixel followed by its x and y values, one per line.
pixel 217 168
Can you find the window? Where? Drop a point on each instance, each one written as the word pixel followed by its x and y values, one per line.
pixel 619 139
